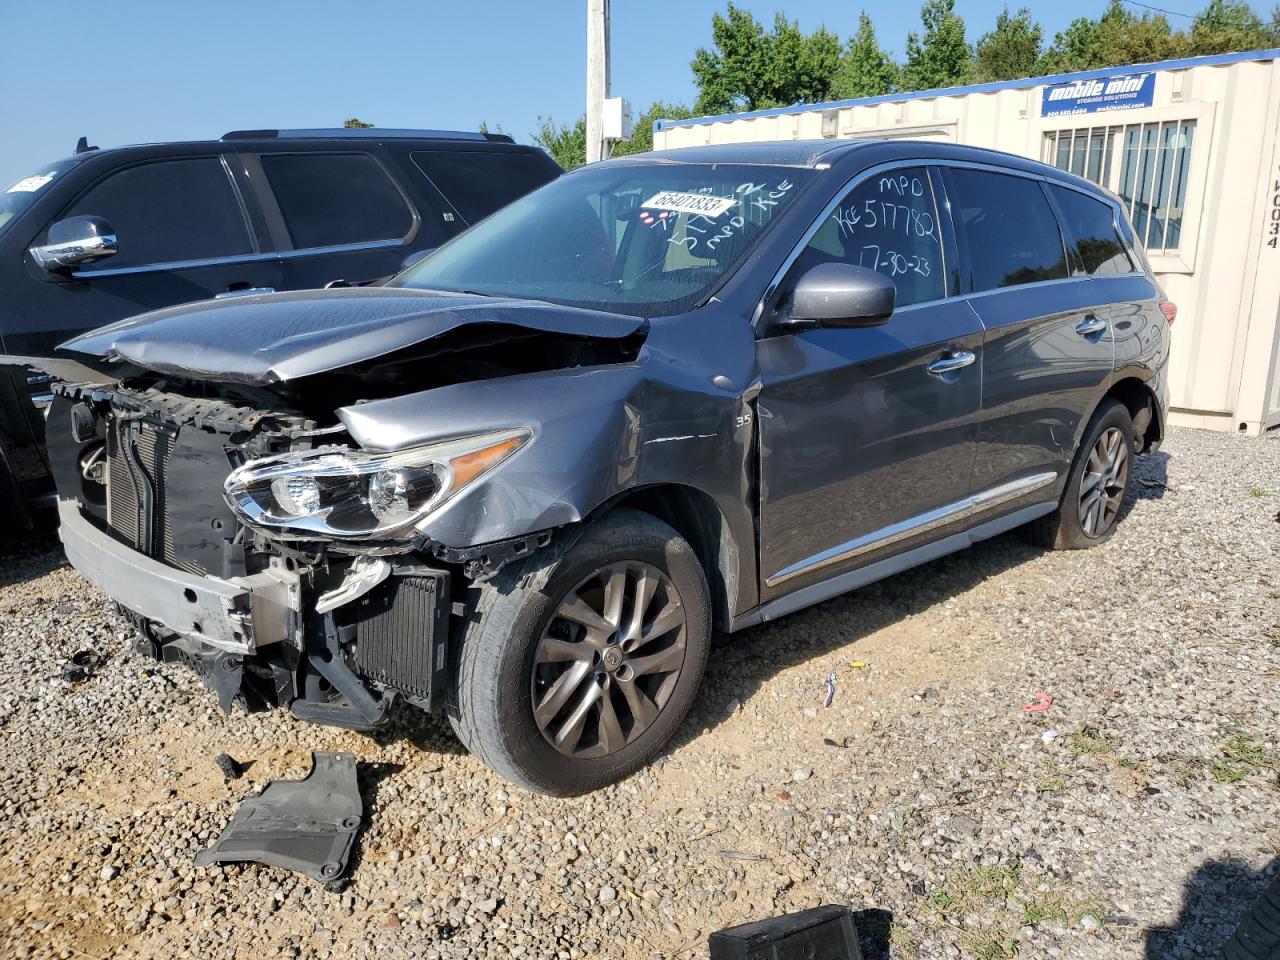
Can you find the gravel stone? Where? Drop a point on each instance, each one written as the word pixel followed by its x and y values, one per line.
pixel 930 800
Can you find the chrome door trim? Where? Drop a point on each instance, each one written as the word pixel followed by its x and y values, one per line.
pixel 1091 325
pixel 914 526
pixel 233 260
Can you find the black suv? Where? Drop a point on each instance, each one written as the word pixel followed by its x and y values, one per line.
pixel 107 234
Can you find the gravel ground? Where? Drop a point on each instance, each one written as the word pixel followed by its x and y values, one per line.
pixel 1136 817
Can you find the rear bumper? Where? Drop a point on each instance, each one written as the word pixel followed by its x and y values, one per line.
pixel 237 616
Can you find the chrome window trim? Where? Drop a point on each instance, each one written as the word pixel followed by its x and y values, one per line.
pixel 913 526
pixel 941 164
pixel 228 261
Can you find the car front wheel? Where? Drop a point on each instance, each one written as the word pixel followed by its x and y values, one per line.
pixel 577 667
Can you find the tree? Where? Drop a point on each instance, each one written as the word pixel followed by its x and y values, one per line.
pixel 1117 38
pixel 749 68
pixel 1227 26
pixel 940 57
pixel 567 145
pixel 642 139
pixel 1011 51
pixel 355 123
pixel 865 69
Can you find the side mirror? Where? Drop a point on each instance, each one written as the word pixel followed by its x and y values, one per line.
pixel 75 242
pixel 414 257
pixel 839 295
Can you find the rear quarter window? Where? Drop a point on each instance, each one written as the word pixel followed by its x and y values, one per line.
pixel 334 199
pixel 1091 229
pixel 478 182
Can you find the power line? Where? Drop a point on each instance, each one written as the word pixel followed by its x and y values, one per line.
pixel 1172 13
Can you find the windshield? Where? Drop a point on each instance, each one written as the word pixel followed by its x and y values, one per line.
pixel 646 240
pixel 23 193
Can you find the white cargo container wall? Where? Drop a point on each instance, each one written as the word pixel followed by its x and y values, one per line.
pixel 1190 146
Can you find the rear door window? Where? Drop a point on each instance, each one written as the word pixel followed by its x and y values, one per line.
pixel 334 199
pixel 1091 228
pixel 169 211
pixel 1010 230
pixel 479 182
pixel 888 223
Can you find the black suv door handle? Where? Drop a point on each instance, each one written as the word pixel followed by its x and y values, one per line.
pixel 1090 325
pixel 949 364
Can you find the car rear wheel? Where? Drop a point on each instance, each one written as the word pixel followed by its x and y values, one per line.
pixel 576 668
pixel 1096 486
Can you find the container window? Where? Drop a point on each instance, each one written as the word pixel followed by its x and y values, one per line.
pixel 1146 164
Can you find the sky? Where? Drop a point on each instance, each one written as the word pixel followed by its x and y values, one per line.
pixel 144 70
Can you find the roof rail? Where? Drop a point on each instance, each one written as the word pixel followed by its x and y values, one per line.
pixel 364 133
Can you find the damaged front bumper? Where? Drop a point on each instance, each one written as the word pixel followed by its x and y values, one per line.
pixel 235 616
pixel 273 639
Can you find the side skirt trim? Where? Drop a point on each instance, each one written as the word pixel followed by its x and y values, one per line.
pixel 872 572
pixel 914 526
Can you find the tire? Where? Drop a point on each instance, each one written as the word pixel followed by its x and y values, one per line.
pixel 1258 936
pixel 1064 529
pixel 519 646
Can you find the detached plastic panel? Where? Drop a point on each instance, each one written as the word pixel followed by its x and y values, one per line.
pixel 306 825
pixel 823 933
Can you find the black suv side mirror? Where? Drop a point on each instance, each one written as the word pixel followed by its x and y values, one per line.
pixel 75 242
pixel 839 294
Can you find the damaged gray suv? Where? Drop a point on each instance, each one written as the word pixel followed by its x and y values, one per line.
pixel 523 482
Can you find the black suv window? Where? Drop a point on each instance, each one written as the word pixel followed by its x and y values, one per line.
pixel 478 183
pixel 328 199
pixel 887 223
pixel 169 211
pixel 1013 236
pixel 1091 224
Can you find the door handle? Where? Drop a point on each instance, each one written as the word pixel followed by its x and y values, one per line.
pixel 949 364
pixel 1090 325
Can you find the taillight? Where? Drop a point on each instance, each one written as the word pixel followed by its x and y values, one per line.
pixel 1170 311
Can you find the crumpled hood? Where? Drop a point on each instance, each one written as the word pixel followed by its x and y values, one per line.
pixel 285 336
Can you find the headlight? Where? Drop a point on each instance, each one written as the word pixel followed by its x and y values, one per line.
pixel 346 493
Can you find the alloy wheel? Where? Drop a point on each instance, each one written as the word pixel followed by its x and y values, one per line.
pixel 609 659
pixel 1102 485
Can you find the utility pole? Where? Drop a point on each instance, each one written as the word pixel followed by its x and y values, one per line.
pixel 597 76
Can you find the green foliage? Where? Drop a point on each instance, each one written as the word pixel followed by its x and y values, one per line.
pixel 1225 26
pixel 749 68
pixel 940 57
pixel 642 139
pixel 1010 51
pixel 865 69
pixel 355 123
pixel 567 145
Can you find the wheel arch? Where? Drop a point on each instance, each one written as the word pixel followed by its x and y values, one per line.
pixel 1140 400
pixel 694 514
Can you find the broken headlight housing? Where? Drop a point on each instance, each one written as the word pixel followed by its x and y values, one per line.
pixel 337 492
